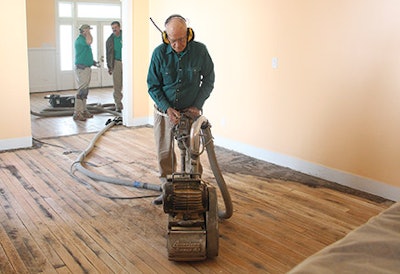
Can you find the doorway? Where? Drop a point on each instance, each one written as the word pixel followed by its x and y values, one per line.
pixel 52 68
pixel 72 14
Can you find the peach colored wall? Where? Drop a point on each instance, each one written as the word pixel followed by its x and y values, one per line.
pixel 40 18
pixel 140 50
pixel 14 84
pixel 333 99
pixel 338 86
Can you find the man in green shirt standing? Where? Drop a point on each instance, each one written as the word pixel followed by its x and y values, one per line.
pixel 83 62
pixel 180 79
pixel 114 62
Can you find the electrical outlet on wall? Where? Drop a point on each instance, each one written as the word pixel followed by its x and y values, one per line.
pixel 274 62
pixel 223 122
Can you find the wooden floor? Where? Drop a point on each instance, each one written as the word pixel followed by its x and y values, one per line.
pixel 57 221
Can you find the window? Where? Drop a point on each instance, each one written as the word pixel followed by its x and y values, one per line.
pixel 66 59
pixel 73 13
pixel 97 10
pixel 65 9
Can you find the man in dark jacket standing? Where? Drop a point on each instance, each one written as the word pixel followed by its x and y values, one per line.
pixel 114 62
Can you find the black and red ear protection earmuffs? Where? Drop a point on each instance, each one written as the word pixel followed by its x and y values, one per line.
pixel 190 32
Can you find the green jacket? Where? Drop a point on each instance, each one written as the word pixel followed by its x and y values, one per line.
pixel 83 52
pixel 180 80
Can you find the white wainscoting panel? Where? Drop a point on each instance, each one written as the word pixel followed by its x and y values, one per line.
pixel 42 69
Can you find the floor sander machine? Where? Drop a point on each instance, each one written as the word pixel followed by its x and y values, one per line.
pixel 190 202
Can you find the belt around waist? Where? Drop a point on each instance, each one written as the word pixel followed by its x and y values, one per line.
pixel 159 110
pixel 79 66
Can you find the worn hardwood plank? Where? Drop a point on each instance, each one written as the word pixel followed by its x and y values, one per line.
pixel 41 213
pixel 43 254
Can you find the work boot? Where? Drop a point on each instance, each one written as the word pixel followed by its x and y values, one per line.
pixel 118 107
pixel 86 112
pixel 158 200
pixel 78 111
pixel 79 116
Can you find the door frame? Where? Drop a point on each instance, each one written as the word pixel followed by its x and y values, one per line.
pixel 65 79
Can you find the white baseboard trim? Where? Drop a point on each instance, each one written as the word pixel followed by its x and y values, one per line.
pixel 347 179
pixel 16 143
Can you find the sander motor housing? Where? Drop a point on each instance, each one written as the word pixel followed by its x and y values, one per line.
pixel 193 218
